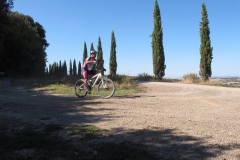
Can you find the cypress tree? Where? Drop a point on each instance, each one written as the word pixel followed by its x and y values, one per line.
pixel 54 69
pixel 74 68
pixel 92 47
pixel 70 67
pixel 205 47
pixel 84 52
pixel 60 68
pixel 100 53
pixel 64 68
pixel 113 58
pixel 157 44
pixel 79 69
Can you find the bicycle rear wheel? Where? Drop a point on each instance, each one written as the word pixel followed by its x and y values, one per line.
pixel 106 88
pixel 79 88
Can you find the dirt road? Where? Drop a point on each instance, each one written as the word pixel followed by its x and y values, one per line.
pixel 172 120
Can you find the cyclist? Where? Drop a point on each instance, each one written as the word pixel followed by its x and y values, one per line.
pixel 87 68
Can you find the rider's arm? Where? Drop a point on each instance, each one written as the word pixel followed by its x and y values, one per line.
pixel 90 62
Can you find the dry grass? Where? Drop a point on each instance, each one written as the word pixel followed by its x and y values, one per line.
pixel 212 83
pixel 190 78
pixel 201 82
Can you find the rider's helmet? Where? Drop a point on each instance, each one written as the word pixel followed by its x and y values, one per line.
pixel 93 52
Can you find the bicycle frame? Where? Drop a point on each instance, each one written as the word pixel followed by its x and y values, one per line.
pixel 97 77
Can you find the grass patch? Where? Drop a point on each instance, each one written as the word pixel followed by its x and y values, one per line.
pixel 232 85
pixel 85 131
pixel 124 85
pixel 60 89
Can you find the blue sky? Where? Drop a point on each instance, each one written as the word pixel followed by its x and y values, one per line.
pixel 69 24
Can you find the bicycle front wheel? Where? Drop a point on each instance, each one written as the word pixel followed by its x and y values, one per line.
pixel 106 88
pixel 79 88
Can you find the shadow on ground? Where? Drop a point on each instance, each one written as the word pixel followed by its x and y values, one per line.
pixel 25 118
pixel 167 143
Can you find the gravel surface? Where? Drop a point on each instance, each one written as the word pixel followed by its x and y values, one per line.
pixel 173 120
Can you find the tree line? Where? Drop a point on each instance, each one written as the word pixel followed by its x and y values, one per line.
pixel 23 43
pixel 59 69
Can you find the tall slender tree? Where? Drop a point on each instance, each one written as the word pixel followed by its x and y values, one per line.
pixel 60 68
pixel 92 47
pixel 157 44
pixel 79 69
pixel 74 68
pixel 100 53
pixel 64 68
pixel 84 52
pixel 205 46
pixel 113 58
pixel 70 67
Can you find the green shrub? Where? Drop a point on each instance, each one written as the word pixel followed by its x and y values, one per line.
pixel 144 77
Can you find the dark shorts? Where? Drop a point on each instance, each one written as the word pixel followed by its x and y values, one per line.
pixel 86 73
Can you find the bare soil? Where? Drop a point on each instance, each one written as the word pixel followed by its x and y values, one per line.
pixel 173 120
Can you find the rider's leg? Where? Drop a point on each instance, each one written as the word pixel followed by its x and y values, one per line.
pixel 85 76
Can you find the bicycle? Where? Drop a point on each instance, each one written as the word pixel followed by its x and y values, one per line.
pixel 106 87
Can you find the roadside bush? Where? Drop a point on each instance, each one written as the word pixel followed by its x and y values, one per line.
pixel 124 82
pixel 191 78
pixel 144 77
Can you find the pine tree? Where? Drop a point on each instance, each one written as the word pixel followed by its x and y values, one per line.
pixel 113 58
pixel 79 69
pixel 70 68
pixel 157 44
pixel 74 68
pixel 205 47
pixel 84 52
pixel 100 53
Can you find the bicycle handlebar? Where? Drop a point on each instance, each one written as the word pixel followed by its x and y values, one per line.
pixel 101 68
